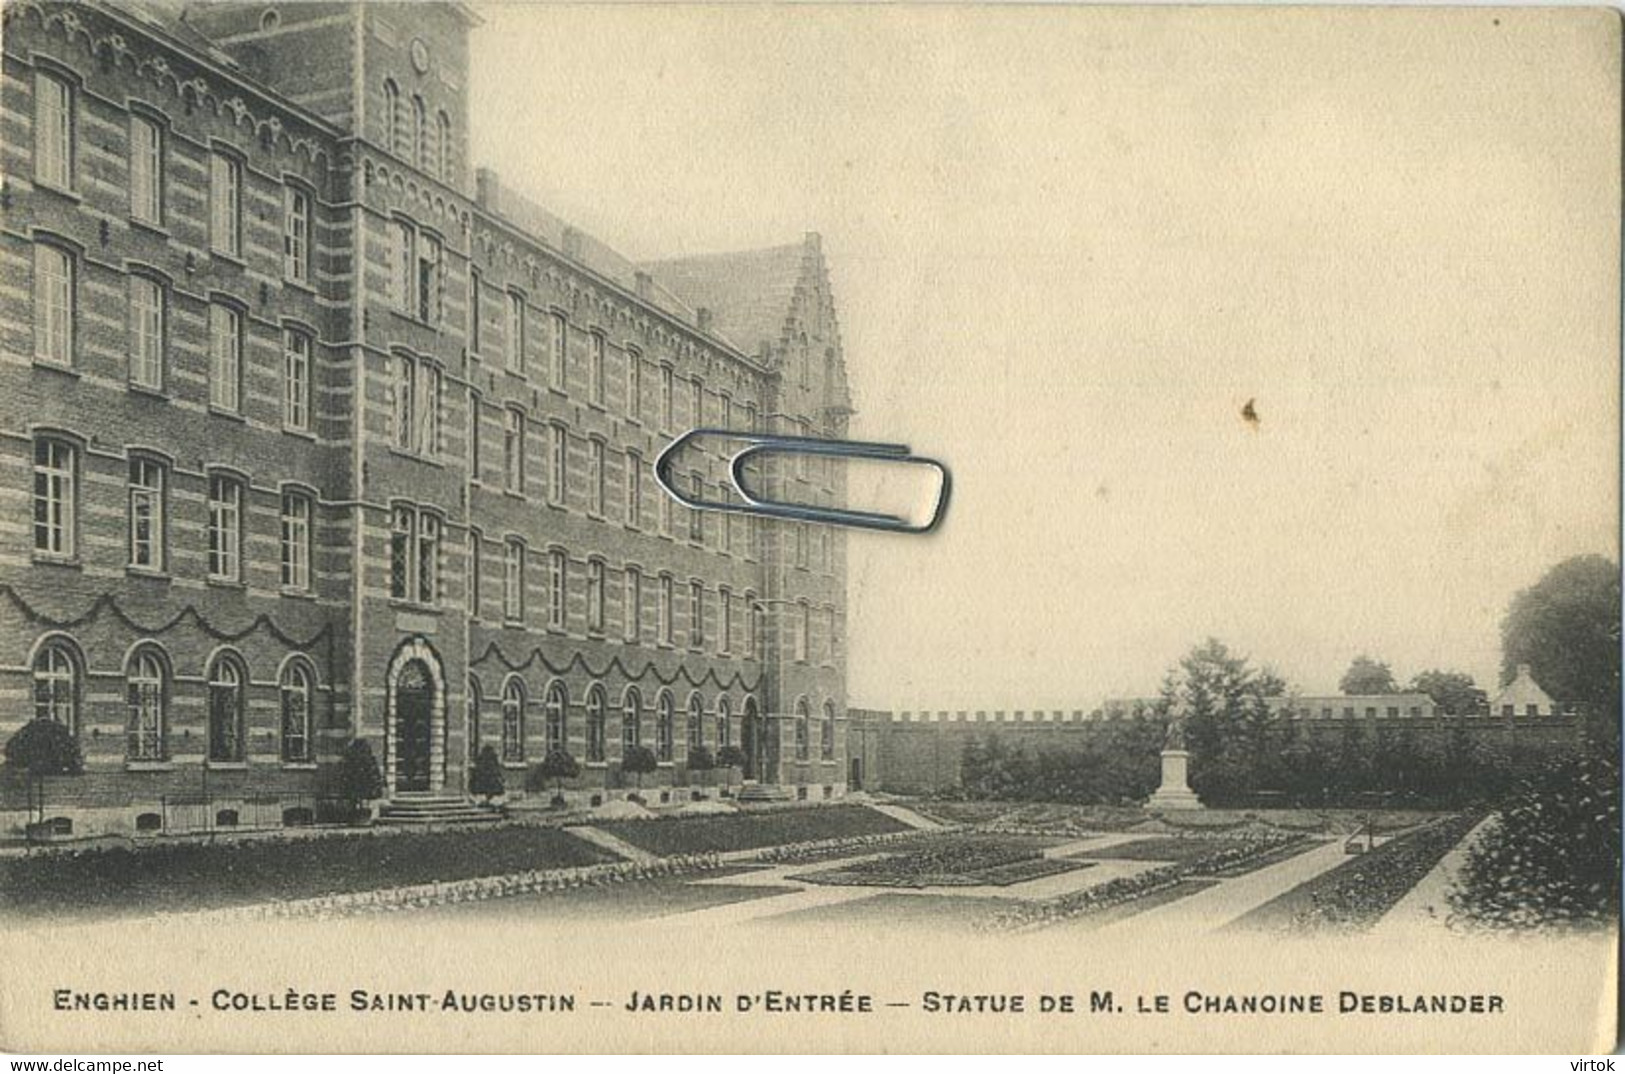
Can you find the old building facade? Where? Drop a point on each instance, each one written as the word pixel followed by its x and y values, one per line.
pixel 311 431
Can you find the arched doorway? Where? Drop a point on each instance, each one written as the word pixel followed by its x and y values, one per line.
pixel 414 727
pixel 750 740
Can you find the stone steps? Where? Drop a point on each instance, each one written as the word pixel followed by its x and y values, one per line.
pixel 426 810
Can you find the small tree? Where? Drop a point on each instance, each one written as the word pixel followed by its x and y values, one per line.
pixel 728 759
pixel 1368 676
pixel 700 759
pixel 486 779
pixel 558 766
pixel 638 760
pixel 359 779
pixel 43 748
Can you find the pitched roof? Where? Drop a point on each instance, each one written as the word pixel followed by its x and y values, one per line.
pixel 749 292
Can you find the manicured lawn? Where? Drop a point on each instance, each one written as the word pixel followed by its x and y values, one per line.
pixel 949 861
pixel 1155 849
pixel 749 831
pixel 194 876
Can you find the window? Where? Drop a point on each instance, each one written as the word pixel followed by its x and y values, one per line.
pixel 725 731
pixel 145 705
pixel 430 388
pixel 404 392
pixel 595 370
pixel 225 204
pixel 696 723
pixel 429 270
pixel 801 545
pixel 758 627
pixel 557 576
pixel 146 170
pixel 595 596
pixel 53 305
pixel 727 402
pixel 663 610
pixel 1531 710
pixel 696 401
pixel 803 631
pixel 595 490
pixel 631 603
pixel 832 622
pixel 558 350
pixel 296 380
pixel 665 721
pixel 803 729
pixel 631 720
pixel 428 562
pixel 225 528
pixel 225 357
pixel 53 131
pixel 417 148
pixel 696 517
pixel 513 721
pixel 634 384
pixel 634 490
pixel 56 686
pixel 513 451
pixel 442 129
pixel 595 723
pixel 392 115
pixel 296 714
pixel 558 464
pixel 696 614
pixel 475 314
pixel 725 629
pixel 513 581
pixel 476 408
pixel 665 503
pixel 403 265
pixel 295 234
pixel 516 332
pixel 400 553
pixel 146 332
pixel 146 514
pixel 668 416
pixel 476 545
pixel 475 704
pixel 557 700
pixel 226 710
pixel 54 498
pixel 826 740
pixel 750 418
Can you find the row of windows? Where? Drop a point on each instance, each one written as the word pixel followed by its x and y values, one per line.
pixel 412 139
pixel 55 124
pixel 56 512
pixel 556 706
pixel 58 676
pixel 56 314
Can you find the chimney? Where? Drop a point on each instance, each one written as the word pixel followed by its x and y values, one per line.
pixel 643 285
pixel 703 317
pixel 572 243
pixel 1523 672
pixel 487 191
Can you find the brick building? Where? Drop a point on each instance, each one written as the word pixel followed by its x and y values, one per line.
pixel 311 431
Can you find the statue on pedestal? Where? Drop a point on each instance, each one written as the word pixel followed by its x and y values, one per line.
pixel 1175 792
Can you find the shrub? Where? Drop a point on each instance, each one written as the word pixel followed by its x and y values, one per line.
pixel 558 766
pixel 359 779
pixel 639 760
pixel 487 780
pixel 42 748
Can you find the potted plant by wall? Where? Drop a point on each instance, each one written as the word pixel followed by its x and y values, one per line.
pixel 728 759
pixel 38 749
pixel 360 781
pixel 486 780
pixel 558 766
pixel 701 761
pixel 638 760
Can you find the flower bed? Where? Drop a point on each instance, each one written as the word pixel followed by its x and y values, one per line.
pixel 666 836
pixel 851 846
pixel 957 861
pixel 1360 891
pixel 199 876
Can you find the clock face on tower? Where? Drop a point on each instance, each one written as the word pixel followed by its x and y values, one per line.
pixel 420 55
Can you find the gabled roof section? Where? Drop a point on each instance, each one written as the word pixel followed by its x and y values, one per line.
pixel 750 293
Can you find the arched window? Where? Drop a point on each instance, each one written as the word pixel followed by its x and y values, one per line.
pixel 803 729
pixel 513 721
pixel 631 720
pixel 56 685
pixel 826 742
pixel 758 627
pixel 296 697
pixel 226 683
pixel 417 149
pixel 595 722
pixel 557 699
pixel 725 734
pixel 475 702
pixel 665 720
pixel 392 115
pixel 696 721
pixel 145 698
pixel 442 123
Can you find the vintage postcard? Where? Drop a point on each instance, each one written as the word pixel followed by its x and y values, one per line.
pixel 836 528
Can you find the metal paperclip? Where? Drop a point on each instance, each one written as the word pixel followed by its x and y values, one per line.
pixel 766 444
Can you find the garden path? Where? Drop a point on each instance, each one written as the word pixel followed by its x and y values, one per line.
pixel 613 844
pixel 906 815
pixel 1425 905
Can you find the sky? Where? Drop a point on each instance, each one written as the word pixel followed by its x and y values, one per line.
pixel 1069 245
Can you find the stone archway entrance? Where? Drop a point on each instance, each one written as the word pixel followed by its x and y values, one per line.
pixel 414 727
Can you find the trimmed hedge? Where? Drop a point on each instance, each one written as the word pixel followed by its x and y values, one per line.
pixel 666 836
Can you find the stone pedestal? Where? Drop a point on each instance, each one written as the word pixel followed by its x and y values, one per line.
pixel 1175 792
